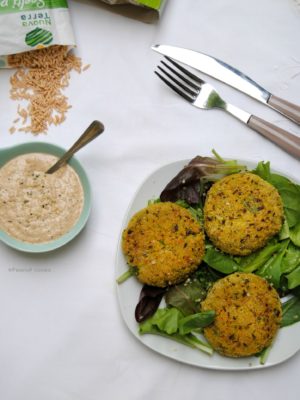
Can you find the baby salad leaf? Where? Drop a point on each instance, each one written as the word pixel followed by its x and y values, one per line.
pixel 194 322
pixel 295 234
pixel 220 261
pixel 285 231
pixel 257 259
pixel 165 319
pixel 290 311
pixel 188 184
pixel 263 355
pixel 126 275
pixel 165 322
pixel 263 170
pixel 294 278
pixel 188 340
pixel 186 297
pixel 291 259
pixel 289 192
pixel 296 292
pixel 150 298
pixel 272 268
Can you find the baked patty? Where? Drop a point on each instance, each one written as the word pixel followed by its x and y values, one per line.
pixel 165 244
pixel 248 314
pixel 241 213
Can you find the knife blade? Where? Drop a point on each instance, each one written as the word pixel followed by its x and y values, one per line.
pixel 231 76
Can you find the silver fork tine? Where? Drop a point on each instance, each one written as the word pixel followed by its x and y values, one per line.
pixel 180 76
pixel 187 89
pixel 185 71
pixel 175 88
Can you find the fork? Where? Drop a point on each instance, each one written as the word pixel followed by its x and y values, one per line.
pixel 202 95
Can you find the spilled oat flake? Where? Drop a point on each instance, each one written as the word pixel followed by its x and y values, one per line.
pixel 39 82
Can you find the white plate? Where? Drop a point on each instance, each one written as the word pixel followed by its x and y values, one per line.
pixel 286 344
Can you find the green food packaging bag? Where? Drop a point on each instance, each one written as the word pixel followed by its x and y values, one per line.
pixel 152 4
pixel 144 10
pixel 33 24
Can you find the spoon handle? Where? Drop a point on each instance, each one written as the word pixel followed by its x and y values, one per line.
pixel 94 130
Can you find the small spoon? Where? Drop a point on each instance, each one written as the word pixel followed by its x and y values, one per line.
pixel 94 130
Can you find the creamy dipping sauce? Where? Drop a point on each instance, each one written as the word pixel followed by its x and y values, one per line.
pixel 36 207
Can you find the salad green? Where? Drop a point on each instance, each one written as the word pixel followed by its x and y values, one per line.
pixel 171 323
pixel 278 262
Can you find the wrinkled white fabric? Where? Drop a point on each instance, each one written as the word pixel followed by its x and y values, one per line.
pixel 61 333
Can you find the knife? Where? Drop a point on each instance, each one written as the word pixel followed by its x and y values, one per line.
pixel 225 73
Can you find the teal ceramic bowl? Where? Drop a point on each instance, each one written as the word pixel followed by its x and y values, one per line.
pixel 41 147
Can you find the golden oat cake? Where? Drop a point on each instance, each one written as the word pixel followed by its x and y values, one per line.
pixel 248 314
pixel 241 213
pixel 164 242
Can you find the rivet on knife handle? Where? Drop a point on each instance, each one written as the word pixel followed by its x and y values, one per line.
pixel 284 139
pixel 286 108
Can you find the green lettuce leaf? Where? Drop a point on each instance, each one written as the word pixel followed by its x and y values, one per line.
pixel 290 312
pixel 289 192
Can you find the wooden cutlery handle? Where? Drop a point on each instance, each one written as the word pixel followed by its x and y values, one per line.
pixel 284 139
pixel 290 110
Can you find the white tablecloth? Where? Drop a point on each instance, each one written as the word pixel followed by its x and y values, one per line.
pixel 61 333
